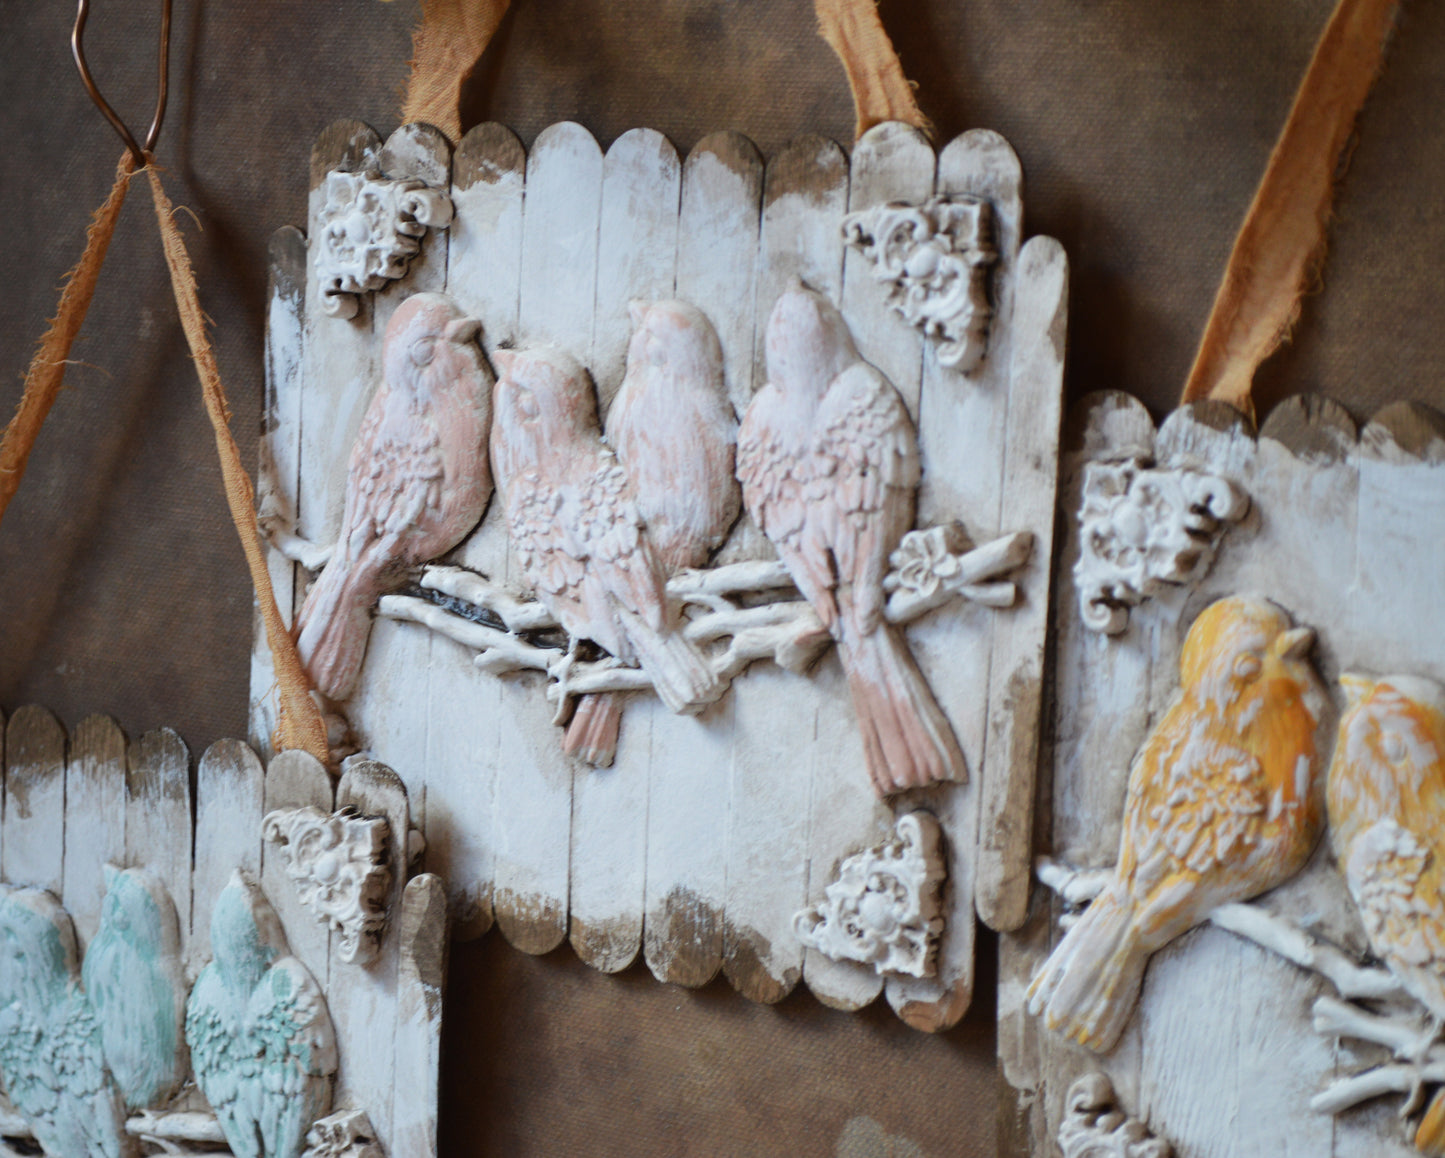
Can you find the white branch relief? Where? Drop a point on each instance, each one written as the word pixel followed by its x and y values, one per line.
pixel 1403 1026
pixel 1144 529
pixel 369 229
pixel 347 1134
pixel 752 605
pixel 338 863
pixel 934 259
pixel 1095 1127
pixel 886 907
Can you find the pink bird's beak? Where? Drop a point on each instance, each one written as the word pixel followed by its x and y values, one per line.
pixel 460 331
pixel 637 310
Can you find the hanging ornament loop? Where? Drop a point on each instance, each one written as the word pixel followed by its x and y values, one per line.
pixel 77 47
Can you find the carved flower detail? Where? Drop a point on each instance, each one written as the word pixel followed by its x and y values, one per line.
pixel 924 560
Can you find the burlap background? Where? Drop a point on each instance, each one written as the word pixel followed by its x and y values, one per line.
pixel 1142 126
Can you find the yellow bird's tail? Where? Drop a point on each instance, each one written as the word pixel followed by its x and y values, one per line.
pixel 1088 987
pixel 1430 1136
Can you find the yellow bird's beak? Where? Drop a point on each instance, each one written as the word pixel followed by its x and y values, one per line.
pixel 1295 644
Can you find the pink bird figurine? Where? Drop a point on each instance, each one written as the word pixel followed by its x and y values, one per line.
pixel 572 513
pixel 418 481
pixel 674 431
pixel 829 464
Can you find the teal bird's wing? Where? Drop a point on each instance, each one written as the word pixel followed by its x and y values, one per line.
pixel 50 1051
pixel 294 1038
pixel 134 979
pixel 217 1043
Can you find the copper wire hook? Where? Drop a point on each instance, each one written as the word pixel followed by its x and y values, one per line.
pixel 77 49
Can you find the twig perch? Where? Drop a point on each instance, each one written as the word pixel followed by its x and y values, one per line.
pixel 930 568
pixel 1403 1027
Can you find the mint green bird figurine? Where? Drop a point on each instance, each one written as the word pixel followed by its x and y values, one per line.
pixel 134 979
pixel 262 1045
pixel 51 1057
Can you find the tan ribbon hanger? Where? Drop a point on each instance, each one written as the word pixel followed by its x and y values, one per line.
pixel 1282 242
pixel 453 34
pixel 301 724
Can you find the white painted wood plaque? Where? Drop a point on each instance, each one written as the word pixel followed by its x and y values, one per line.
pixel 168 985
pixel 901 375
pixel 1296 1020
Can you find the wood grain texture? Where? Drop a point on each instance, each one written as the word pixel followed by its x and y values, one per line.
pixel 158 822
pixel 278 471
pixel 366 998
pixel 296 780
pixel 636 261
pixel 230 799
pixel 422 939
pixel 33 850
pixel 95 804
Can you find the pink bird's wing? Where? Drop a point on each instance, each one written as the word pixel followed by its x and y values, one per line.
pixel 552 561
pixel 863 493
pixel 621 567
pixel 777 477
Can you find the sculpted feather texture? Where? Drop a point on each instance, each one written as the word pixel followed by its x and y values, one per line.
pixel 1222 805
pixel 674 432
pixel 417 482
pixel 572 513
pixel 828 459
pixel 1386 799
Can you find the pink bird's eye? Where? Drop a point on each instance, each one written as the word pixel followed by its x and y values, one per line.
pixel 423 351
pixel 1247 666
pixel 527 403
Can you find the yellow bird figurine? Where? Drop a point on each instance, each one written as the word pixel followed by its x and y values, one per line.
pixel 1222 805
pixel 1386 800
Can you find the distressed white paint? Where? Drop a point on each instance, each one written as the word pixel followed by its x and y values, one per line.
pixel 133 807
pixel 711 828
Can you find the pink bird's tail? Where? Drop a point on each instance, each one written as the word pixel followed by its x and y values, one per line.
pixel 1088 987
pixel 334 623
pixel 907 740
pixel 592 733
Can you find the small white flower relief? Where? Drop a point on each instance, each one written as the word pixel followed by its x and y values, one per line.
pixel 885 909
pixel 369 229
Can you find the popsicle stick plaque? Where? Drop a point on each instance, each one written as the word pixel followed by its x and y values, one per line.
pixel 674 527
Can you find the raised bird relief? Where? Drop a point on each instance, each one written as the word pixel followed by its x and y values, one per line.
pixel 1386 799
pixel 262 1044
pixel 674 432
pixel 574 520
pixel 369 229
pixel 829 464
pixel 134 978
pixel 52 1055
pixel 346 1134
pixel 934 258
pixel 417 482
pixel 1221 806
pixel 338 863
pixel 886 907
